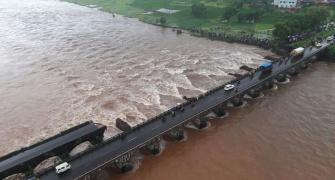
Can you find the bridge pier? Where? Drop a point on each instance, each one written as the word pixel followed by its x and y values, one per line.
pixel 314 58
pixel 303 65
pixel 154 147
pixel 177 134
pixel 254 93
pixel 124 163
pixel 219 111
pixel 268 85
pixel 237 101
pixel 281 78
pixel 292 72
pixel 200 123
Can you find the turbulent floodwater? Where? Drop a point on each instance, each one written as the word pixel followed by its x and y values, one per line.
pixel 289 134
pixel 62 64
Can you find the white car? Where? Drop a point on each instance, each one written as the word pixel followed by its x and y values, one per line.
pixel 61 168
pixel 228 87
pixel 318 45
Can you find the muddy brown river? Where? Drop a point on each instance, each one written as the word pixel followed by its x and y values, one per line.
pixel 62 64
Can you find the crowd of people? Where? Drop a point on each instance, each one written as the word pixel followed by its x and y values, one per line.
pixel 301 36
pixel 238 38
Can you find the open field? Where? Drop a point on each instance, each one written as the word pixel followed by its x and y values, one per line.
pixel 146 11
pixel 184 18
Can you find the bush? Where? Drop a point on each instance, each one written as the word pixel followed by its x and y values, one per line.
pixel 162 20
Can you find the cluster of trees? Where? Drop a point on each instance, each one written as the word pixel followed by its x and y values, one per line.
pixel 307 21
pixel 245 10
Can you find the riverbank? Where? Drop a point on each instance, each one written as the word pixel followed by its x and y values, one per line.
pixel 178 13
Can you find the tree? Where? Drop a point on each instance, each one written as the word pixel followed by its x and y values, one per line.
pixel 317 15
pixel 199 10
pixel 162 20
pixel 309 20
pixel 281 31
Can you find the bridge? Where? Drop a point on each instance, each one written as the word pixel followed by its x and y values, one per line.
pixel 23 159
pixel 119 149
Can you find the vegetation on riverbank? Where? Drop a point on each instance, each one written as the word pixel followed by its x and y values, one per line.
pixel 229 15
pixel 253 22
pixel 225 14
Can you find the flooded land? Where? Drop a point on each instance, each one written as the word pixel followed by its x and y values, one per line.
pixel 62 64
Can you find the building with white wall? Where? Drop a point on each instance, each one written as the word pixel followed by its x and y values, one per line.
pixel 285 3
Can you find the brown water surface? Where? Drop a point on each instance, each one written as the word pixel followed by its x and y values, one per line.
pixel 62 64
pixel 288 134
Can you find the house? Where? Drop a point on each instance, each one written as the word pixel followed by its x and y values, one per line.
pixel 285 3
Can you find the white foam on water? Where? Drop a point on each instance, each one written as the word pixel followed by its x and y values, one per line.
pixel 275 87
pixel 287 80
pixel 70 64
pixel 185 136
pixel 225 116
pixel 162 145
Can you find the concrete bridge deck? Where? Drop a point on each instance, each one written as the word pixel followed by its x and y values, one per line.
pixel 21 160
pixel 115 147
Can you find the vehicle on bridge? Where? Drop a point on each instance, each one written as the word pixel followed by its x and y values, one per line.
pixel 229 87
pixel 62 168
pixel 266 66
pixel 330 38
pixel 298 52
pixel 265 69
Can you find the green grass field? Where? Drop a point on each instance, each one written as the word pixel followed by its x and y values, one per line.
pixel 184 18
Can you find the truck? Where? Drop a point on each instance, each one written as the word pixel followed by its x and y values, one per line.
pixel 266 66
pixel 266 70
pixel 297 52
